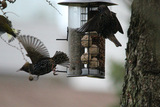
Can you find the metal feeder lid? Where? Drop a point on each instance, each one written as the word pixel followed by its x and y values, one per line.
pixel 85 3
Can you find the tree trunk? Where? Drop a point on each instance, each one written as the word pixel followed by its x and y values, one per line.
pixel 142 79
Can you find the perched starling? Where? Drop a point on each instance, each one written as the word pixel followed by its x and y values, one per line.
pixel 105 23
pixel 41 61
pixel 5 26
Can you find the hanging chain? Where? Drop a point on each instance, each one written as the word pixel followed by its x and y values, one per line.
pixel 16 48
pixel 4 13
pixel 22 51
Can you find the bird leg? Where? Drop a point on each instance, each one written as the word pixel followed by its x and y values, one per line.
pixel 54 70
pixel 36 77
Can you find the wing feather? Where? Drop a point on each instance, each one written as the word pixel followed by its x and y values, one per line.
pixel 36 50
pixel 117 23
pixel 91 25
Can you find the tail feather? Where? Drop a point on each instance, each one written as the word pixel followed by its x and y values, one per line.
pixel 61 58
pixel 114 40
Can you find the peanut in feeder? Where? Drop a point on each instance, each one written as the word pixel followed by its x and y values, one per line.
pixel 94 50
pixel 94 63
pixel 85 58
pixel 86 41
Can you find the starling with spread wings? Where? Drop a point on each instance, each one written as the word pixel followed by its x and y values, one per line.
pixel 105 23
pixel 42 63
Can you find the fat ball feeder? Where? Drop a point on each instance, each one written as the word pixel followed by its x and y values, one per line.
pixel 87 50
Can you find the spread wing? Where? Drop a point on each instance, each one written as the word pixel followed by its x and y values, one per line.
pixel 35 48
pixel 91 25
pixel 117 23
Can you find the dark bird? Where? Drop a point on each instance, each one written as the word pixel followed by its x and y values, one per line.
pixel 42 63
pixel 5 26
pixel 105 23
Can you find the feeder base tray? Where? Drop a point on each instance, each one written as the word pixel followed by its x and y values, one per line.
pixel 89 73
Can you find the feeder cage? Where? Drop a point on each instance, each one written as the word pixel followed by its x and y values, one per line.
pixel 86 51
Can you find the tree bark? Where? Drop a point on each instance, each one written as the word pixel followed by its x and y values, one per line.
pixel 142 79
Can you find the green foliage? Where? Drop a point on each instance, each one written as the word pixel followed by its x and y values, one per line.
pixel 117 74
pixel 117 71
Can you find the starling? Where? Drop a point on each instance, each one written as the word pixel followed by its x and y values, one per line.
pixel 5 26
pixel 42 63
pixel 105 23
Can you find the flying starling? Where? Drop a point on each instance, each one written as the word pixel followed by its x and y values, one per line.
pixel 105 23
pixel 5 26
pixel 42 63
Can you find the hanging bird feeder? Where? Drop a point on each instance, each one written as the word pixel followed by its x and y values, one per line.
pixel 86 51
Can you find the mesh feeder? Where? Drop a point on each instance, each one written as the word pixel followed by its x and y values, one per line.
pixel 87 50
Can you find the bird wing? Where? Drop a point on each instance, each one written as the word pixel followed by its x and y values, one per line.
pixel 117 23
pixel 61 58
pixel 36 50
pixel 91 25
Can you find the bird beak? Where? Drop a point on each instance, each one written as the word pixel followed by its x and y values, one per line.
pixel 18 70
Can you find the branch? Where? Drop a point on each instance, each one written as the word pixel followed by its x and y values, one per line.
pixel 19 49
pixel 49 2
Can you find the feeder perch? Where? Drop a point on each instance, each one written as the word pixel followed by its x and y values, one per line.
pixel 86 51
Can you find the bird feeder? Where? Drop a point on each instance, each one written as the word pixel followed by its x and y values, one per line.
pixel 86 51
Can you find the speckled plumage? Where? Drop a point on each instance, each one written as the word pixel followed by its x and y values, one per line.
pixel 41 61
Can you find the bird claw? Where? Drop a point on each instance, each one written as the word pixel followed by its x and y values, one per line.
pixel 54 72
pixel 36 78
